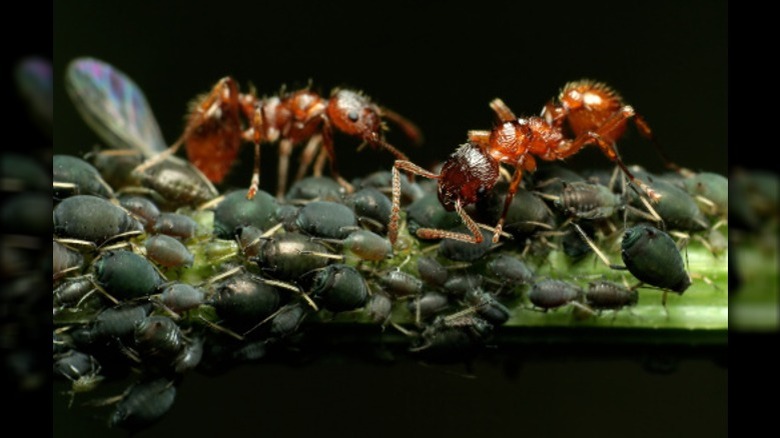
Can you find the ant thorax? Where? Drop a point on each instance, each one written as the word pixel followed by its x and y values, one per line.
pixel 467 175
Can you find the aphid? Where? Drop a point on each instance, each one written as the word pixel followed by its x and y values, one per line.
pixel 340 288
pixel 428 212
pixel 399 283
pixel 143 404
pixel 456 337
pixel 594 113
pixel 711 190
pixel 144 209
pixel 236 211
pixel 158 341
pixel 34 81
pixel 458 250
pixel 288 318
pixel 74 176
pixel 215 128
pixel 117 110
pixel 181 297
pixel 460 284
pixel 372 208
pixel 26 213
pixel 527 213
pixel 65 260
pixel 326 219
pixel 175 225
pixel 487 306
pixel 588 201
pixel 510 270
pixel 368 245
pixel 22 172
pixel 81 369
pixel 428 305
pixel 167 251
pixel 290 256
pixel 118 322
pixel 244 300
pixel 126 275
pixel 551 294
pixel 652 257
pixel 71 291
pixel 315 188
pixel 93 219
pixel 431 271
pixel 608 295
pixel 379 308
pixel 677 208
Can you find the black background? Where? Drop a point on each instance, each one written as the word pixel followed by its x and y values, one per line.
pixel 439 65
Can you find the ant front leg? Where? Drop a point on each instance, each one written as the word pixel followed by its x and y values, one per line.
pixel 646 132
pixel 392 229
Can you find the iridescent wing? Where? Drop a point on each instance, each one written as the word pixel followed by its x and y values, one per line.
pixel 33 77
pixel 113 106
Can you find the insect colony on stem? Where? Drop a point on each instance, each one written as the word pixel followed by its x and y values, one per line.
pixel 293 259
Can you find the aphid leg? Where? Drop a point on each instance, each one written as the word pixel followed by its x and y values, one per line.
pixel 392 232
pixel 307 156
pixel 285 150
pixel 592 245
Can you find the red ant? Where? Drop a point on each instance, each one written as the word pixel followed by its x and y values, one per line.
pixel 214 130
pixel 593 112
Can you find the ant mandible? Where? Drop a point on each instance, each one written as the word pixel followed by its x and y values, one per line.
pixel 591 110
pixel 214 130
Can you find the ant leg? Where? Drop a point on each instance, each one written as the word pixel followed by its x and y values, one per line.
pixel 480 138
pixel 475 237
pixel 254 185
pixel 510 194
pixel 307 156
pixel 327 137
pixel 411 131
pixel 392 228
pixel 646 132
pixel 285 149
pixel 502 111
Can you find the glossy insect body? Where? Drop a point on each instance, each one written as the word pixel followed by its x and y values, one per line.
pixel 652 256
pixel 215 128
pixel 608 295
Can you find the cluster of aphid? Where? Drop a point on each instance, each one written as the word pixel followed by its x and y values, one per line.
pixel 156 274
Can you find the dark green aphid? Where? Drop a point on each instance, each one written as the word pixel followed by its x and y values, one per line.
pixel 175 225
pixel 144 209
pixel 65 260
pixel 126 275
pixel 652 257
pixel 588 201
pixel 527 212
pixel 608 295
pixel 399 283
pixel 319 188
pixel 74 176
pixel 236 211
pixel 158 340
pixel 427 212
pixel 676 207
pixel 428 305
pixel 510 270
pixel 90 218
pixel 178 182
pixel 168 252
pixel 144 404
pixel 340 288
pixel 326 219
pixel 431 271
pixel 368 245
pixel 181 297
pixel 26 213
pixel 551 294
pixel 454 338
pixel 118 322
pixel 244 300
pixel 487 306
pixel 709 188
pixel 372 204
pixel 465 251
pixel 290 256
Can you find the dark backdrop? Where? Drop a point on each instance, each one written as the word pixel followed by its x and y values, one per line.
pixel 439 65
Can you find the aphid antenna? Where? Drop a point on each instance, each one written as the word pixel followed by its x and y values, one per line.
pixel 404 331
pixel 211 204
pixel 458 265
pixel 294 288
pixel 372 223
pixel 265 320
pixel 592 245
pixel 221 329
pixel 219 277
pixel 322 254
pixel 100 289
pixel 74 244
pixel 120 236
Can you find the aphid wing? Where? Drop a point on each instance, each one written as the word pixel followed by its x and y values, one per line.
pixel 113 106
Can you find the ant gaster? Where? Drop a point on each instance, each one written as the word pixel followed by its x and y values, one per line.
pixel 215 129
pixel 592 111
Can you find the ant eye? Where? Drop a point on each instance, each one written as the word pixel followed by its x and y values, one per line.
pixel 353 115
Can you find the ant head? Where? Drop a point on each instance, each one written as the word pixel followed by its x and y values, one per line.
pixel 354 114
pixel 466 176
